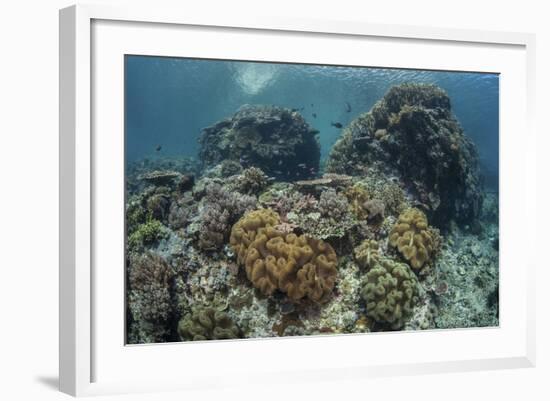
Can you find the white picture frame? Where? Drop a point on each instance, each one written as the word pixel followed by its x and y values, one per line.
pixel 82 158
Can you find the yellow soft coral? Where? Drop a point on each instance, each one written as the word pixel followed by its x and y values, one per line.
pixel 300 266
pixel 367 253
pixel 357 196
pixel 413 238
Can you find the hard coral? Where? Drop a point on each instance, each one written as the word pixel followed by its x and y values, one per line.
pixel 207 324
pixel 413 238
pixel 150 280
pixel 220 209
pixel 390 292
pixel 251 181
pixel 411 133
pixel 147 233
pixel 275 139
pixel 300 266
pixel 332 204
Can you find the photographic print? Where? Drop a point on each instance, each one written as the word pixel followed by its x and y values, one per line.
pixel 281 199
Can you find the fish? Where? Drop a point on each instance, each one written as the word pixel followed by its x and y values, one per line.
pixel 302 165
pixel 314 115
pixel 311 104
pixel 158 148
pixel 348 107
pixel 337 125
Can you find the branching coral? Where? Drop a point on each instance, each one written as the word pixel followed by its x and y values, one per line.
pixel 390 292
pixel 147 233
pixel 219 210
pixel 300 266
pixel 333 205
pixel 251 181
pixel 413 238
pixel 150 280
pixel 207 324
pixel 181 212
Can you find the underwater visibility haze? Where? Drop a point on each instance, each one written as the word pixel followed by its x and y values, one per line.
pixel 271 199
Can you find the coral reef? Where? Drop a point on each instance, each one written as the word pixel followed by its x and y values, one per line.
pixel 256 240
pixel 150 304
pixel 390 292
pixel 412 134
pixel 413 238
pixel 207 324
pixel 275 139
pixel 299 266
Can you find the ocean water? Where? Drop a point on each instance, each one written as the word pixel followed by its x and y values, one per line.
pixel 169 100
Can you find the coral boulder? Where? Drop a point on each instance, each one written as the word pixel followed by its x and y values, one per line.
pixel 275 139
pixel 412 134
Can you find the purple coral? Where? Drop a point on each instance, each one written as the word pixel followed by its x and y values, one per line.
pixel 150 281
pixel 220 210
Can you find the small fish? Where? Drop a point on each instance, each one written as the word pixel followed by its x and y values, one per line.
pixel 277 171
pixel 337 125
pixel 302 165
pixel 311 104
pixel 314 115
pixel 158 148
pixel 348 107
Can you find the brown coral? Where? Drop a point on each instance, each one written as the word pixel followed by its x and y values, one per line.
pixel 300 266
pixel 367 254
pixel 358 196
pixel 413 238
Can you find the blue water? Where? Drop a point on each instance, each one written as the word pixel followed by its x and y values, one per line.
pixel 169 100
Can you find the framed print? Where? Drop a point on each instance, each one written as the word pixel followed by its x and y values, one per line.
pixel 295 209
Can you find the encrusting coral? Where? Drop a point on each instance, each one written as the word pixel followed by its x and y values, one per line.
pixel 207 324
pixel 390 292
pixel 413 238
pixel 300 266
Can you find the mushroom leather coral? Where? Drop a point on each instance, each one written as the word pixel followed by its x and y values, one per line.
pixel 390 292
pixel 207 324
pixel 413 238
pixel 300 266
pixel 367 253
